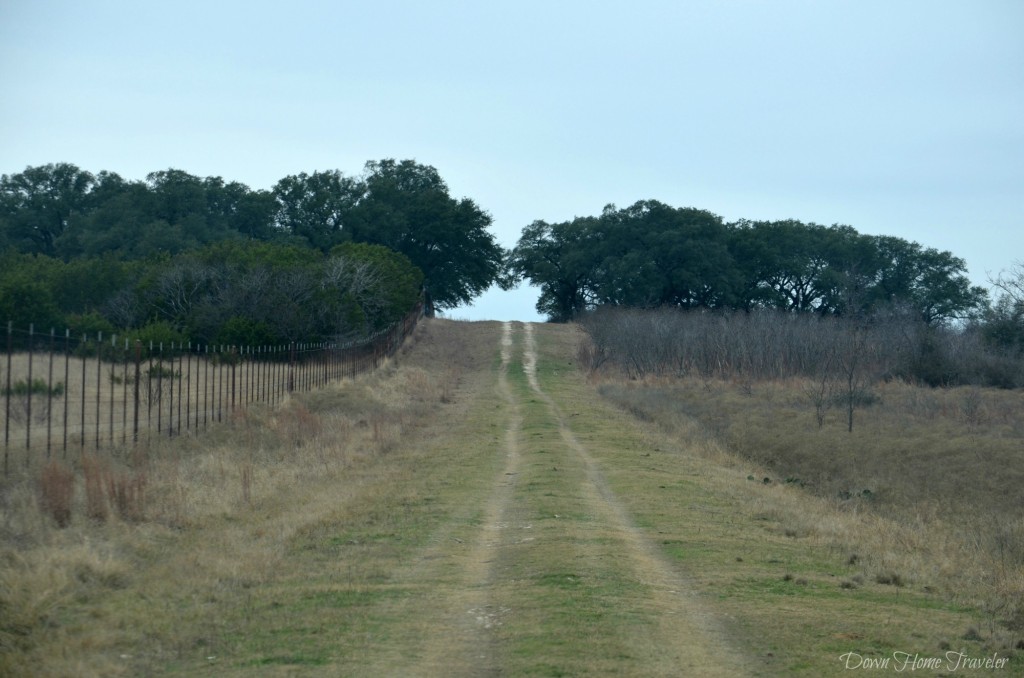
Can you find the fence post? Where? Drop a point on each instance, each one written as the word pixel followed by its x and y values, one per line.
pixel 220 372
pixel 99 383
pixel 7 395
pixel 182 392
pixel 124 394
pixel 261 374
pixel 170 405
pixel 49 397
pixel 113 362
pixel 159 389
pixel 247 370
pixel 188 389
pixel 67 386
pixel 206 384
pixel 291 367
pixel 149 390
pixel 28 405
pixel 234 361
pixel 81 442
pixel 138 377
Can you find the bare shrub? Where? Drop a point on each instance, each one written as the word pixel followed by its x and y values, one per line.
pixel 590 356
pixel 246 473
pixel 765 344
pixel 127 494
pixel 307 424
pixel 386 431
pixel 972 407
pixel 819 393
pixel 93 471
pixel 56 490
pixel 759 345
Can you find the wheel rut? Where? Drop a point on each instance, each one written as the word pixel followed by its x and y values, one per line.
pixel 688 632
pixel 472 613
pixel 544 572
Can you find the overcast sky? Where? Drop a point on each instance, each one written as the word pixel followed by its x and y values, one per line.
pixel 895 117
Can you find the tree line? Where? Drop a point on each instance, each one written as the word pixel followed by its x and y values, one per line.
pixel 651 255
pixel 66 213
pixel 678 290
pixel 103 245
pixel 231 292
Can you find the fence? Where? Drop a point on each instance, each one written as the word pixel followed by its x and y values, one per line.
pixel 61 394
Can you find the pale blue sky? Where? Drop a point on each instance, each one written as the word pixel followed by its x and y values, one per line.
pixel 897 117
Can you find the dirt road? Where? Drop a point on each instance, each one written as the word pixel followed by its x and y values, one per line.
pixel 554 578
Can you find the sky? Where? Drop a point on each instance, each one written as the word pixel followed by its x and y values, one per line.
pixel 896 117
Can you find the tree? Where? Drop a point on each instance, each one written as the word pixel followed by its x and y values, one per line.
pixel 656 255
pixel 24 301
pixel 383 283
pixel 38 205
pixel 316 206
pixel 789 264
pixel 1004 321
pixel 934 283
pixel 407 208
pixel 561 259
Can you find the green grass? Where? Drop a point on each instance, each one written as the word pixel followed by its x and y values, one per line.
pixel 693 501
pixel 603 546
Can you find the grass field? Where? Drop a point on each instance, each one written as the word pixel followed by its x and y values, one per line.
pixel 474 507
pixel 940 468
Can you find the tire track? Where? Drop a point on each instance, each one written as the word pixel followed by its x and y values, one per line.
pixel 472 612
pixel 686 629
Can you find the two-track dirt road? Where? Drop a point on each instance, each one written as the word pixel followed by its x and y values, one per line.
pixel 554 578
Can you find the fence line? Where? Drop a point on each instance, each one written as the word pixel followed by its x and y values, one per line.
pixel 115 392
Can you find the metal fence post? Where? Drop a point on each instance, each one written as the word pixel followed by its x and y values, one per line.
pixel 291 368
pixel 113 362
pixel 138 377
pixel 99 383
pixel 7 395
pixel 67 386
pixel 49 397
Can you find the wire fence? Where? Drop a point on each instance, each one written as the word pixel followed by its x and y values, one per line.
pixel 62 394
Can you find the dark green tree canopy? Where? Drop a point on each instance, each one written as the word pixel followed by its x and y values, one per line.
pixel 563 260
pixel 653 255
pixel 64 212
pixel 316 207
pixel 406 206
pixel 38 205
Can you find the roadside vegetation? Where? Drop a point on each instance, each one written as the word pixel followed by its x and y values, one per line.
pixel 842 410
pixel 180 257
pixel 180 552
pixel 472 507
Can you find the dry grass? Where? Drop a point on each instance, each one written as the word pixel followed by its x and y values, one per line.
pixel 89 545
pixel 825 574
pixel 56 490
pixel 318 537
pixel 94 403
pixel 930 478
